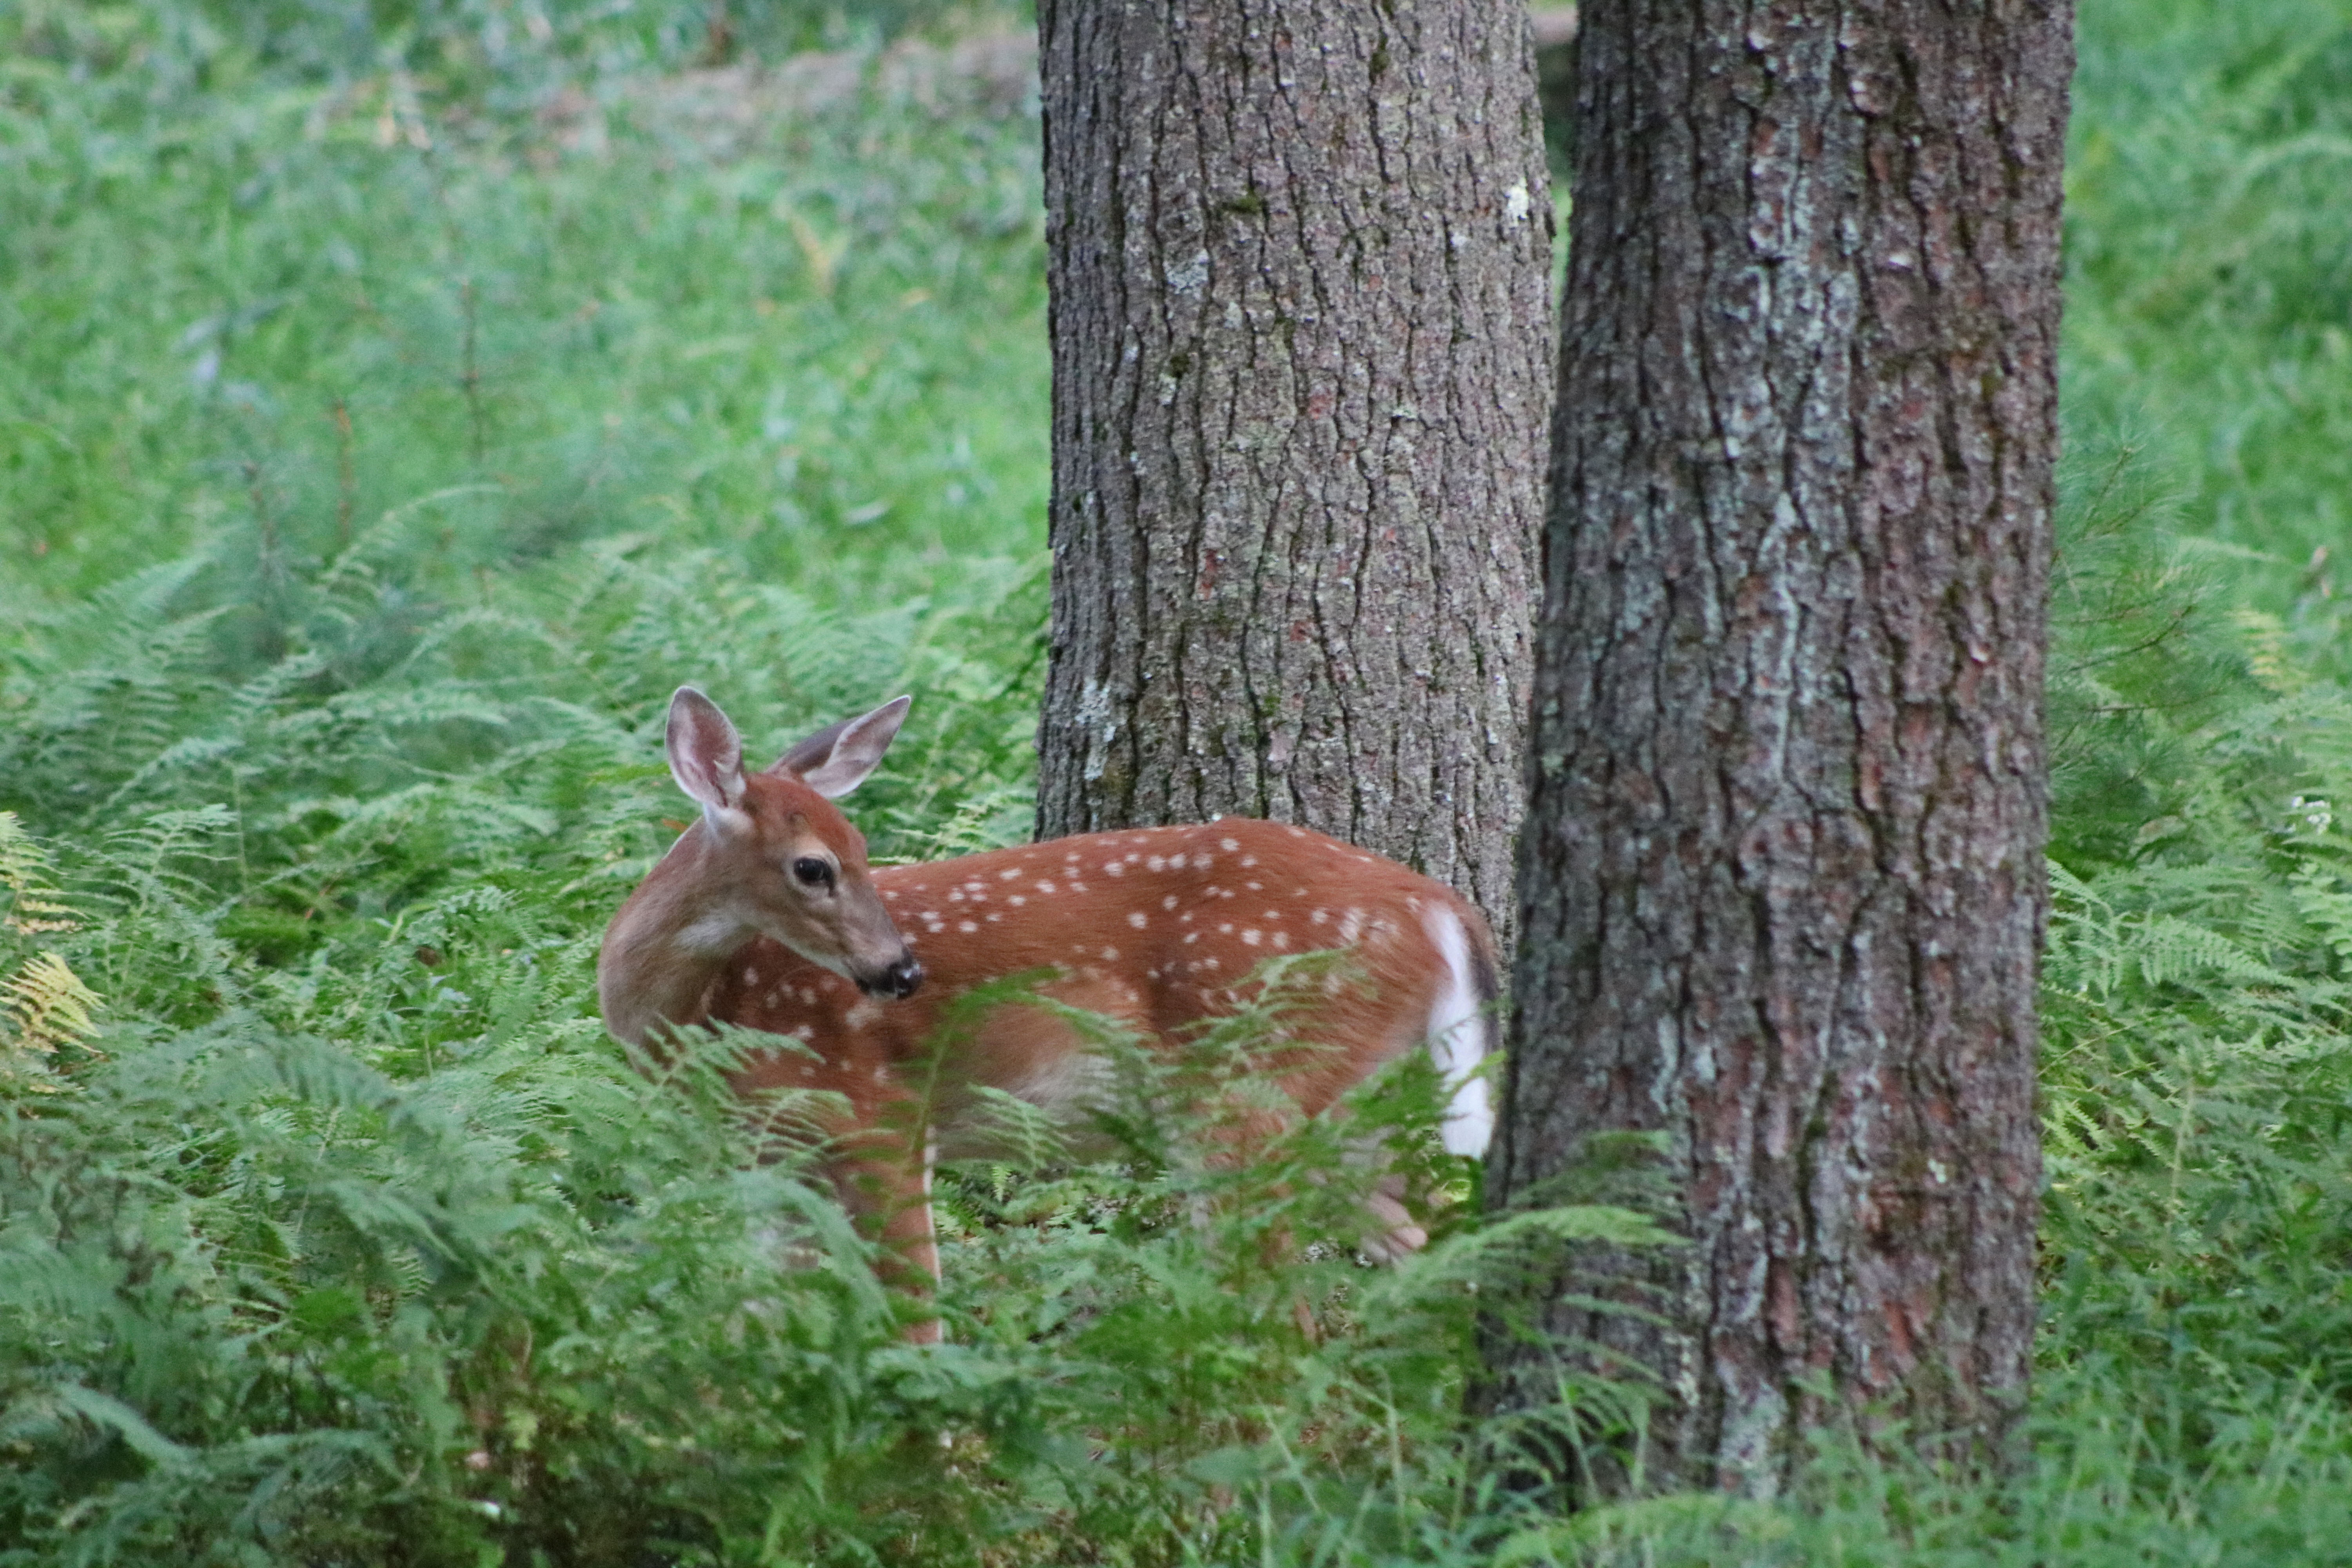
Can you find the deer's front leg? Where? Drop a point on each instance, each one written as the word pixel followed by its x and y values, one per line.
pixel 883 1176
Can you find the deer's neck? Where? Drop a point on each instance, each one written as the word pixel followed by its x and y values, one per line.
pixel 664 950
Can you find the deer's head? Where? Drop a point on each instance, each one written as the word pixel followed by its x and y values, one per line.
pixel 779 857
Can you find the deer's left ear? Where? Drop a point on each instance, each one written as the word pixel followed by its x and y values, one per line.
pixel 837 759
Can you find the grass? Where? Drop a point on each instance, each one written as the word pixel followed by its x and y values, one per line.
pixel 394 406
pixel 280 311
pixel 2209 279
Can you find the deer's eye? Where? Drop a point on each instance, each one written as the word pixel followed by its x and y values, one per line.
pixel 812 872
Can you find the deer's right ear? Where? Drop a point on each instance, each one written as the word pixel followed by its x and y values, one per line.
pixel 706 756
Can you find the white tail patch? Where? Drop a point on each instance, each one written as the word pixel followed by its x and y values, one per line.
pixel 1457 1038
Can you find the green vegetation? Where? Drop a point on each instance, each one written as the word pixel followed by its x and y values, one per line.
pixel 395 404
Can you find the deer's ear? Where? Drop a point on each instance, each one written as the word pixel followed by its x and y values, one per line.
pixel 706 756
pixel 837 759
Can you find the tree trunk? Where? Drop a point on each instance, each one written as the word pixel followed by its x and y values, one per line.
pixel 1783 891
pixel 1298 253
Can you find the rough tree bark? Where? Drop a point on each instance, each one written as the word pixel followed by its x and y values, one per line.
pixel 1782 886
pixel 1298 254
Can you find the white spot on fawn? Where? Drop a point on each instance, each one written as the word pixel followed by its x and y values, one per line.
pixel 1016 901
pixel 1110 955
pixel 1319 917
pixel 1169 902
pixel 1252 936
pixel 1352 925
pixel 968 925
pixel 1136 919
pixel 1157 863
pixel 1229 844
pixel 1006 876
pixel 1044 887
pixel 750 978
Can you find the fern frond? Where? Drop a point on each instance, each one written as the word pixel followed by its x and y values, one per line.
pixel 43 1005
pixel 2267 654
pixel 35 905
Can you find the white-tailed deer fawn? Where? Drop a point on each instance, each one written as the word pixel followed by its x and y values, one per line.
pixel 765 914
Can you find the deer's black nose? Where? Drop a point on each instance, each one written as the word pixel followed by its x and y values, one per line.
pixel 899 980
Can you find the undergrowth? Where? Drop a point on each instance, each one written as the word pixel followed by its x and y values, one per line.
pixel 393 410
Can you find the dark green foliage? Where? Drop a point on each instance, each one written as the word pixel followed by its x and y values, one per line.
pixel 389 1256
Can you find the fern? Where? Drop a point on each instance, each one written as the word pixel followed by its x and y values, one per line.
pixel 35 906
pixel 43 1007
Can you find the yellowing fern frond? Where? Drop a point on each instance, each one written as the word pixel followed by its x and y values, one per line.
pixel 34 904
pixel 43 1005
pixel 2267 654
